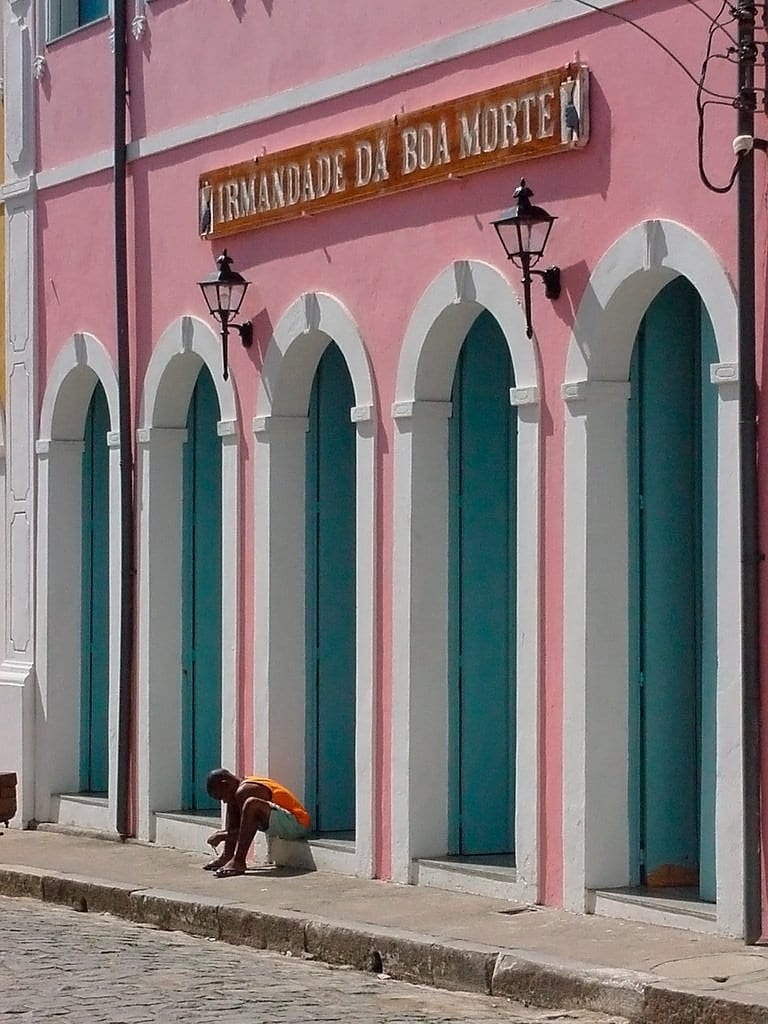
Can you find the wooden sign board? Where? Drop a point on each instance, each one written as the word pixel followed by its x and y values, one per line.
pixel 547 113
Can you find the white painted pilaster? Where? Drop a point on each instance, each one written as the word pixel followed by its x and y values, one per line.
pixel 17 668
pixel 595 716
pixel 279 659
pixel 729 803
pixel 159 663
pixel 420 627
pixel 58 621
pixel 365 639
pixel 230 590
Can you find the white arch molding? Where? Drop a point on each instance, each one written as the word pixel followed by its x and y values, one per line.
pixel 185 346
pixel 437 329
pixel 280 425
pixel 596 627
pixel 82 362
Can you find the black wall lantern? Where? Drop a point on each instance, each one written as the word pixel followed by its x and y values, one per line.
pixel 224 292
pixel 524 233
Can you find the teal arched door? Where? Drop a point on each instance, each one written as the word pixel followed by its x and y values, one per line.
pixel 672 478
pixel 201 596
pixel 94 598
pixel 330 597
pixel 482 527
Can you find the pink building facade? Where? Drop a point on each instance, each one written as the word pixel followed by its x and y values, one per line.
pixel 474 595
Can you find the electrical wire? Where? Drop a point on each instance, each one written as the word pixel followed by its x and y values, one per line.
pixel 701 106
pixel 717 98
pixel 658 42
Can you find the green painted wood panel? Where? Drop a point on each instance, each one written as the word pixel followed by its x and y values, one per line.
pixel 201 596
pixel 672 465
pixel 482 555
pixel 708 612
pixel 330 597
pixel 94 598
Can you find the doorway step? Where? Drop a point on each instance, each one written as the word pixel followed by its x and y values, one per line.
pixel 81 810
pixel 335 852
pixel 671 908
pixel 186 830
pixel 482 875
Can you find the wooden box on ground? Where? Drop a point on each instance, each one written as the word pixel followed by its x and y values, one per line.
pixel 7 796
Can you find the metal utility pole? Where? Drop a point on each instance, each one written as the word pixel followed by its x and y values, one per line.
pixel 127 543
pixel 750 553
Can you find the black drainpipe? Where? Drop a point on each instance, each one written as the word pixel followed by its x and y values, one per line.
pixel 750 551
pixel 125 427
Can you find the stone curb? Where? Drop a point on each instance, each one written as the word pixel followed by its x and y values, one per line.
pixel 406 956
pixel 667 1004
pixel 571 985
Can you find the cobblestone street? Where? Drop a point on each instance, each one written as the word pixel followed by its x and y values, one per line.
pixel 57 964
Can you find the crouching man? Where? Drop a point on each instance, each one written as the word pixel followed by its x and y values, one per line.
pixel 253 805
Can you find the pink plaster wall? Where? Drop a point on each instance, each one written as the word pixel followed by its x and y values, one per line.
pixel 379 257
pixel 74 113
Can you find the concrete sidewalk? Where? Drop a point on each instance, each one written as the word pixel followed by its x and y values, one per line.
pixel 451 940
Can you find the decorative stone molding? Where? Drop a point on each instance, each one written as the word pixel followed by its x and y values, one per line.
pixel 362 414
pixel 227 428
pixel 265 424
pixel 140 24
pixel 724 373
pixel 146 435
pixel 574 391
pixel 17 189
pixel 523 396
pixel 139 27
pixel 655 247
pixel 581 390
pixel 18 673
pixel 432 410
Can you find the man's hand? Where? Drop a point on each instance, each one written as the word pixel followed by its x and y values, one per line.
pixel 216 838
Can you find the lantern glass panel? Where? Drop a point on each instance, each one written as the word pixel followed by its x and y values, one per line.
pixel 235 293
pixel 509 234
pixel 225 296
pixel 535 234
pixel 211 295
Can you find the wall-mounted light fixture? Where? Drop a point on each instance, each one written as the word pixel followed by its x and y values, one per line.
pixel 524 232
pixel 224 292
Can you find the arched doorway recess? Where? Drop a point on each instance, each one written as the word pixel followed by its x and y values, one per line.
pixel 599 805
pixel 672 469
pixel 330 597
pixel 188 431
pixel 282 724
pixel 482 727
pixel 201 586
pixel 95 599
pixel 421 817
pixel 77 611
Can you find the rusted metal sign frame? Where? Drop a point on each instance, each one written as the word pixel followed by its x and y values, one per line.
pixel 537 116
